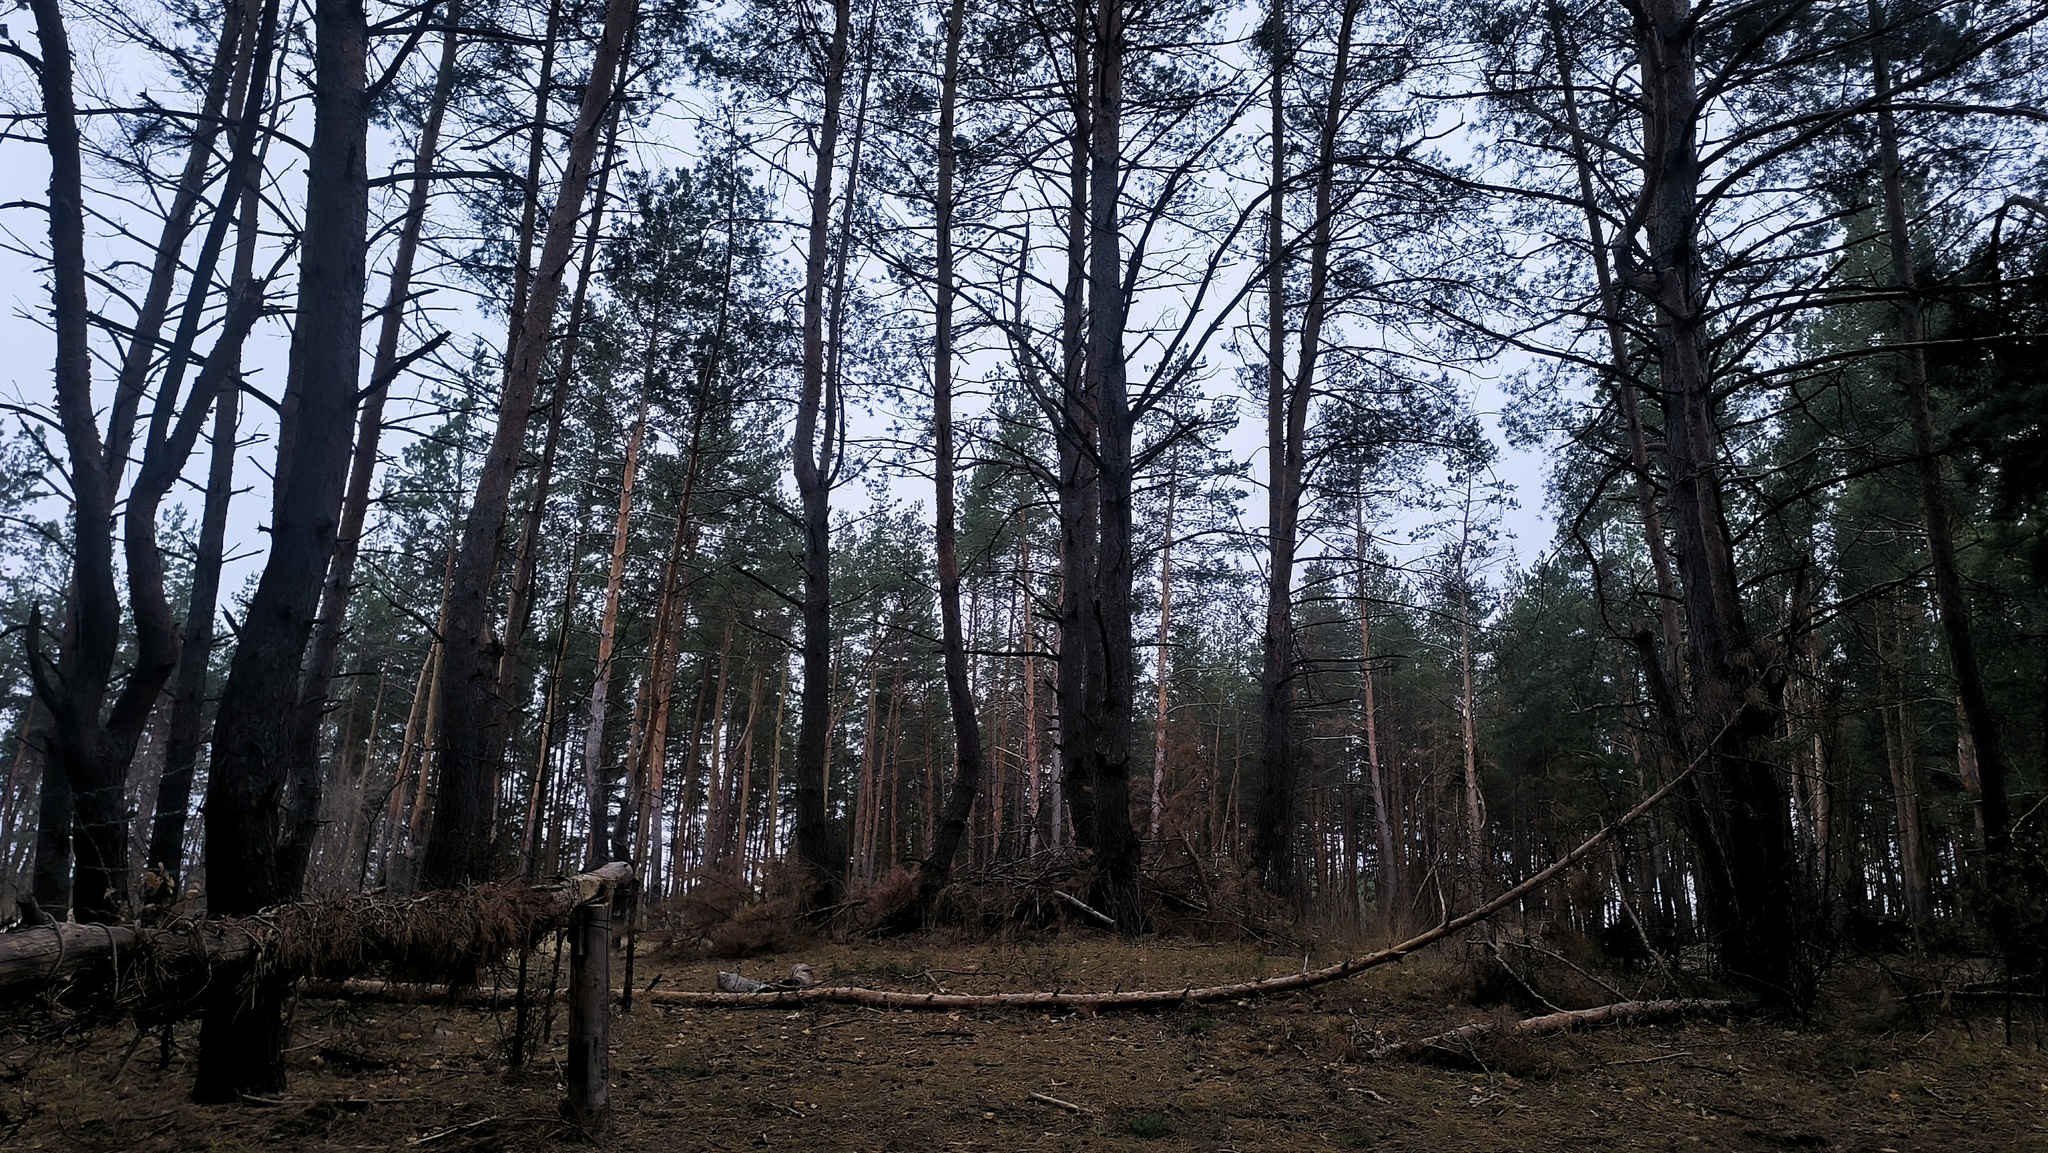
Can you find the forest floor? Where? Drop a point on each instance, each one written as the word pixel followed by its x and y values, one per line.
pixel 1281 1074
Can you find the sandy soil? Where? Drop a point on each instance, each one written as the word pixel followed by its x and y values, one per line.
pixel 1279 1075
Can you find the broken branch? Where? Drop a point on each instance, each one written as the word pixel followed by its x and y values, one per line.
pixel 1454 1040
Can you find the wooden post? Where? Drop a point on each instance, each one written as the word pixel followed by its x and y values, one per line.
pixel 590 1024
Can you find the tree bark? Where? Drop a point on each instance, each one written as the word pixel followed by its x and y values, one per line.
pixel 588 1068
pixel 1079 508
pixel 1457 1041
pixel 816 466
pixel 968 759
pixel 1159 712
pixel 596 789
pixel 1391 865
pixel 1111 706
pixel 1468 706
pixel 384 367
pixel 1993 807
pixel 460 849
pixel 259 802
pixel 1287 407
pixel 106 965
pixel 174 429
pixel 1274 819
pixel 1620 377
pixel 1740 824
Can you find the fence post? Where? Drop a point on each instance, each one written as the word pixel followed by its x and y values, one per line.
pixel 590 1022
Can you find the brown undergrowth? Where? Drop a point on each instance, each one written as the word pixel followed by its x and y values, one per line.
pixel 1186 897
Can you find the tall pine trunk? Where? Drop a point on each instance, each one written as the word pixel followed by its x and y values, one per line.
pixel 460 849
pixel 968 759
pixel 384 367
pixel 1287 408
pixel 817 449
pixel 259 799
pixel 1988 789
pixel 1738 807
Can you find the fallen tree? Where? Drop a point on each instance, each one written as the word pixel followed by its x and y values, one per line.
pixel 447 935
pixel 1166 998
pixel 453 934
pixel 1059 999
pixel 1459 1040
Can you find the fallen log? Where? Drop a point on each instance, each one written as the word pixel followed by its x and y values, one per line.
pixel 1167 998
pixel 32 960
pixel 449 935
pixel 1131 999
pixel 1621 1012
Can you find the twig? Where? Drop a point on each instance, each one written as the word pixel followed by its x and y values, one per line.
pixel 424 1138
pixel 1069 1106
pixel 1094 915
pixel 1649 1060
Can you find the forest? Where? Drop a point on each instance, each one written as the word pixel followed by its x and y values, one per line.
pixel 1128 472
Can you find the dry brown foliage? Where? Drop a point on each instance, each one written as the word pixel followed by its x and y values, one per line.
pixel 444 936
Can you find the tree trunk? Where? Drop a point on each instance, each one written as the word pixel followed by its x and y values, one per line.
pixel 174 430
pixel 1477 854
pixel 1159 735
pixel 771 828
pixel 1620 377
pixel 588 1068
pixel 188 694
pixel 260 803
pixel 1901 743
pixel 1287 407
pixel 1391 870
pixel 1031 780
pixel 460 850
pixel 526 561
pixel 174 790
pixel 968 760
pixel 1275 818
pixel 1111 707
pixel 816 467
pixel 596 788
pixel 1079 509
pixel 1993 807
pixel 1741 830
pixel 672 615
pixel 384 368
pixel 550 709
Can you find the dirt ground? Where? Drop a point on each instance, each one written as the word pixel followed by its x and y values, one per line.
pixel 1284 1074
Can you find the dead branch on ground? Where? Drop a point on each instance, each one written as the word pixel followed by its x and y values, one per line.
pixel 1621 1012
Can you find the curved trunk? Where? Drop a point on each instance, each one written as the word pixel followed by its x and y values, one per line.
pixel 938 868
